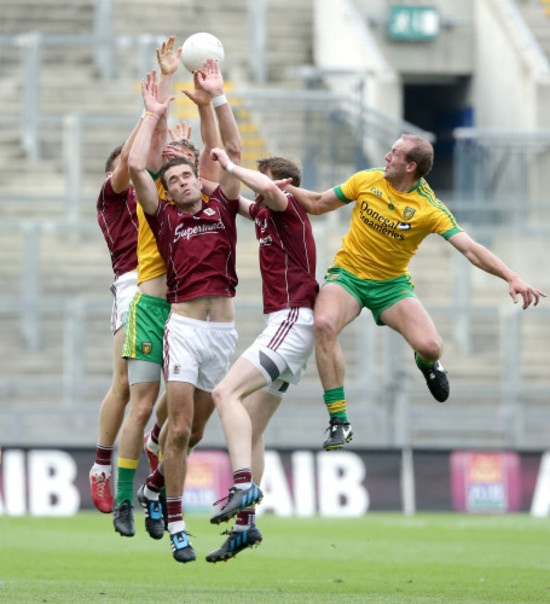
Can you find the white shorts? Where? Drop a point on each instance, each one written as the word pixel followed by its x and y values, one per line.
pixel 197 352
pixel 122 292
pixel 282 350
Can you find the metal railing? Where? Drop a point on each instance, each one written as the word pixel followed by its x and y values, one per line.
pixel 31 46
pixel 505 168
pixel 389 397
pixel 389 402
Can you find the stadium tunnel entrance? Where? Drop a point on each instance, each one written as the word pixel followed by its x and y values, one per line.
pixel 439 106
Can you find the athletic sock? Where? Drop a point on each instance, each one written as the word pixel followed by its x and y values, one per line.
pixel 152 495
pixel 422 364
pixel 155 433
pixel 103 455
pixel 242 479
pixel 152 442
pixel 245 519
pixel 125 481
pixel 155 481
pixel 174 508
pixel 335 400
pixel 98 469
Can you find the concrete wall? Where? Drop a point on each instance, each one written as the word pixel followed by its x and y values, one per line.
pixel 486 39
pixel 342 41
pixel 450 54
pixel 505 88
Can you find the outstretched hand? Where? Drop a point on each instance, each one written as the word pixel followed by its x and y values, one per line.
pixel 210 78
pixel 168 60
pixel 530 295
pixel 182 131
pixel 149 90
pixel 199 95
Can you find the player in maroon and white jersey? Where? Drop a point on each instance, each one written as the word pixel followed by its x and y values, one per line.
pixel 250 393
pixel 116 215
pixel 149 310
pixel 197 241
pixel 206 239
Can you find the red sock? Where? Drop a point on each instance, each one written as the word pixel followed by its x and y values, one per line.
pixel 155 433
pixel 103 455
pixel 155 481
pixel 175 509
pixel 242 475
pixel 246 517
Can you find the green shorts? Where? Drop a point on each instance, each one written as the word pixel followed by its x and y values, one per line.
pixel 144 334
pixel 374 295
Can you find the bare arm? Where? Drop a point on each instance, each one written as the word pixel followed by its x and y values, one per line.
pixel 120 178
pixel 211 80
pixel 168 61
pixel 270 193
pixel 158 140
pixel 244 207
pixel 146 191
pixel 208 169
pixel 315 203
pixel 484 259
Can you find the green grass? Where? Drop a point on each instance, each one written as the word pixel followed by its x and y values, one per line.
pixel 382 557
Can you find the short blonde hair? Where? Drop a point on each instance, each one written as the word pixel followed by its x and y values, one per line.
pixel 422 154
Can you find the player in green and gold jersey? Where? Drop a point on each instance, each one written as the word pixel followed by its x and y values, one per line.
pixel 395 209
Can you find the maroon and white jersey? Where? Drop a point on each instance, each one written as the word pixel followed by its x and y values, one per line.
pixel 287 256
pixel 116 215
pixel 199 250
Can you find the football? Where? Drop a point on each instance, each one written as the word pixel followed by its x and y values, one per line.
pixel 199 47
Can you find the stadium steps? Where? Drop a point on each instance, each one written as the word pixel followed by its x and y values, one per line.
pixel 537 17
pixel 289 41
pixel 72 270
pixel 47 16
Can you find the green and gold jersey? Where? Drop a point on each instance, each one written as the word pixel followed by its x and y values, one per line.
pixel 387 225
pixel 150 262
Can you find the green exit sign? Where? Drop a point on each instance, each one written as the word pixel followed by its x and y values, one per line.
pixel 413 23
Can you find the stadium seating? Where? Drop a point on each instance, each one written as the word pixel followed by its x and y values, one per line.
pixel 58 344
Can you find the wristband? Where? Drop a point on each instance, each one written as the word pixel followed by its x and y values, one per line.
pixel 219 100
pixel 230 167
pixel 153 114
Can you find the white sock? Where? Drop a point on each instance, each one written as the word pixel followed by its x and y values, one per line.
pixel 176 527
pixel 243 485
pixel 153 447
pixel 101 469
pixel 153 495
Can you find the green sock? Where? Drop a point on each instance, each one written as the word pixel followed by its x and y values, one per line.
pixel 335 400
pixel 420 363
pixel 125 481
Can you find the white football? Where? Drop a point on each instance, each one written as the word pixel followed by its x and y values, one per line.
pixel 199 47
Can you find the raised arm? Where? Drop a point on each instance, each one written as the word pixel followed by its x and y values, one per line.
pixel 315 203
pixel 484 259
pixel 168 61
pixel 269 192
pixel 173 148
pixel 210 136
pixel 146 191
pixel 211 80
pixel 120 178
